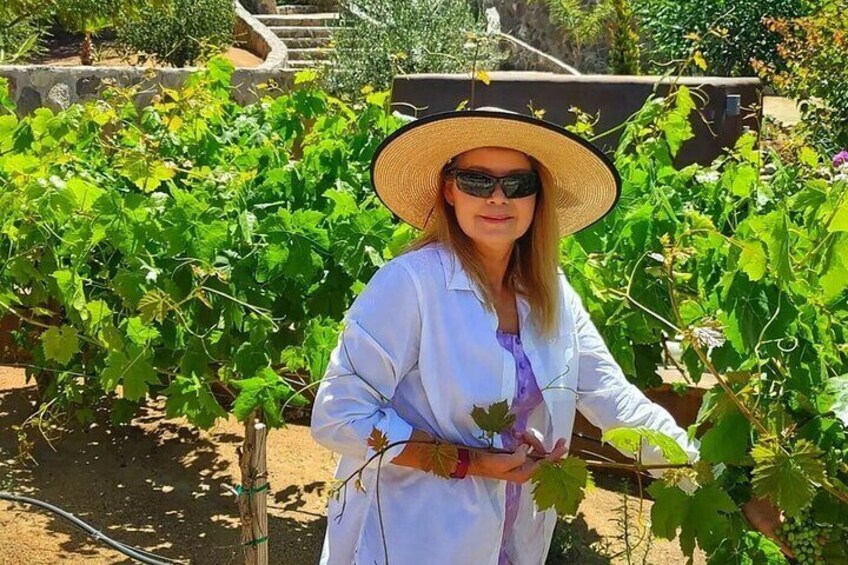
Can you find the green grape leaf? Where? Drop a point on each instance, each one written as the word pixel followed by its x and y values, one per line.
pixel 494 419
pixel 773 229
pixel 839 223
pixel 561 485
pixel 129 286
pixel 344 204
pixel 786 477
pixel 727 441
pixel 834 277
pixel 139 332
pixel 60 344
pixel 741 179
pixel 753 260
pixel 753 548
pixel 212 239
pixel 266 391
pixel 675 125
pixel 189 398
pixel 834 398
pixel 70 289
pixel 669 510
pixel 84 194
pixel 98 311
pixel 250 357
pixel 703 518
pixel 195 358
pixel 746 146
pixel 133 370
pixel 147 175
pixel 154 305
pixel 808 156
pixel 630 441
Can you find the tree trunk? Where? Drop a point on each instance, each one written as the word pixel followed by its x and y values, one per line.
pixel 253 493
pixel 85 50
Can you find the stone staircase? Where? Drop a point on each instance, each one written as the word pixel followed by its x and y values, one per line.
pixel 304 29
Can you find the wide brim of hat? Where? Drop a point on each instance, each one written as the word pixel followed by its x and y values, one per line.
pixel 578 178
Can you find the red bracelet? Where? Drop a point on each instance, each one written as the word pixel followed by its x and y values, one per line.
pixel 464 458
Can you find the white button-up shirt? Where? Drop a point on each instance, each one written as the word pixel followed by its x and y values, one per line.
pixel 419 350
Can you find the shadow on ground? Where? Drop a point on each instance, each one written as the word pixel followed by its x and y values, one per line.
pixel 153 484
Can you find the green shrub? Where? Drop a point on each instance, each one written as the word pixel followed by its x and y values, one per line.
pixel 90 17
pixel 582 25
pixel 814 52
pixel 180 32
pixel 188 246
pixel 668 25
pixel 377 39
pixel 22 29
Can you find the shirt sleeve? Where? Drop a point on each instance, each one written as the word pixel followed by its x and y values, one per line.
pixel 378 345
pixel 604 395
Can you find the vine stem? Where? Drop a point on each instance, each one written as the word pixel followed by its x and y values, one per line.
pixel 689 378
pixel 593 463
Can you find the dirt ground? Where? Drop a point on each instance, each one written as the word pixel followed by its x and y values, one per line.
pixel 64 52
pixel 157 485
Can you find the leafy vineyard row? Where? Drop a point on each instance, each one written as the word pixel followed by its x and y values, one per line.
pixel 205 252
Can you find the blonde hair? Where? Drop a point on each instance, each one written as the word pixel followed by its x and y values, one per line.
pixel 532 267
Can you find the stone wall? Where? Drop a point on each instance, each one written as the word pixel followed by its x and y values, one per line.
pixel 57 87
pixel 531 22
pixel 33 86
pixel 254 36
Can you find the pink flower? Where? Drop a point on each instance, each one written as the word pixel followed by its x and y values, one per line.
pixel 840 159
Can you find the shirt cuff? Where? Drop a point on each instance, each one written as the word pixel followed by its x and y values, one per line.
pixel 395 429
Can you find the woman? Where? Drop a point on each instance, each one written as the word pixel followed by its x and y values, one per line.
pixel 475 312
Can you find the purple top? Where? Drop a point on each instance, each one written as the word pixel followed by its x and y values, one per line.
pixel 527 397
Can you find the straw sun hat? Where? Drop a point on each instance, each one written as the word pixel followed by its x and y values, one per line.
pixel 406 169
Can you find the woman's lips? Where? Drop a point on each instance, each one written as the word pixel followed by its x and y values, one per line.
pixel 497 220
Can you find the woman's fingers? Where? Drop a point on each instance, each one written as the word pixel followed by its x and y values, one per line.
pixel 559 451
pixel 533 441
pixel 511 461
pixel 522 473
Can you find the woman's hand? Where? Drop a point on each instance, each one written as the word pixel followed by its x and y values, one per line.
pixel 538 448
pixel 763 516
pixel 518 466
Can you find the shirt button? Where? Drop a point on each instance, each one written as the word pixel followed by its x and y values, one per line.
pixel 522 390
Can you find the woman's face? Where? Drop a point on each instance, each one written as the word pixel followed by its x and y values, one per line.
pixel 495 222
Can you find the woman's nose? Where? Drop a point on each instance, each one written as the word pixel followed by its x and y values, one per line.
pixel 498 194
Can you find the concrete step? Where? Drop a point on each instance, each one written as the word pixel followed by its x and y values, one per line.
pixel 289 32
pixel 310 54
pixel 322 19
pixel 297 9
pixel 306 42
pixel 302 64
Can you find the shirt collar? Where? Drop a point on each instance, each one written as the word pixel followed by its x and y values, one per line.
pixel 456 278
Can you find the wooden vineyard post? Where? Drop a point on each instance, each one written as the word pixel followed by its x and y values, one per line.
pixel 253 495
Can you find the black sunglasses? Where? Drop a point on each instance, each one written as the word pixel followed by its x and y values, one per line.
pixel 482 185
